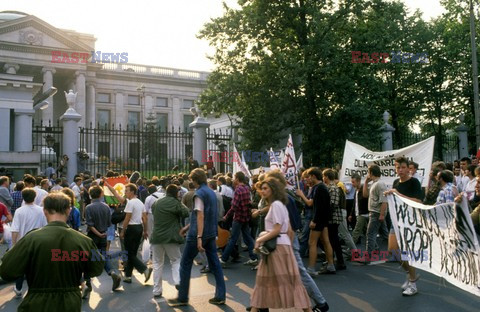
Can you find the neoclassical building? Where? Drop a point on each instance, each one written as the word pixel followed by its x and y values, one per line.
pixel 35 56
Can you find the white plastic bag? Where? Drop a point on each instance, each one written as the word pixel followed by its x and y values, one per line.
pixel 146 250
pixel 7 234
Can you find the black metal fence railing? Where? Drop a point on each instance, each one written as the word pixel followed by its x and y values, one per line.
pixel 151 151
pixel 219 146
pixel 446 148
pixel 47 139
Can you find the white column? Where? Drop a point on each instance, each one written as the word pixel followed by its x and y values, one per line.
pixel 80 89
pixel 119 110
pixel 177 119
pixel 70 121
pixel 22 141
pixel 90 110
pixel 199 126
pixel 5 129
pixel 47 114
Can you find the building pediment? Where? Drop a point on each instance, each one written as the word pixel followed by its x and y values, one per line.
pixel 31 31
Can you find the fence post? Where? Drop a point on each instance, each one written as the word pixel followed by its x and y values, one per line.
pixel 70 135
pixel 387 130
pixel 462 137
pixel 199 126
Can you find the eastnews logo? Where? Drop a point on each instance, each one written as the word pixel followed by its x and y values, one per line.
pixel 95 57
pixel 413 256
pixel 393 57
pixel 82 255
pixel 249 156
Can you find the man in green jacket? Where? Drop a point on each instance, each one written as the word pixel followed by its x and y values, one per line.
pixel 53 258
pixel 168 213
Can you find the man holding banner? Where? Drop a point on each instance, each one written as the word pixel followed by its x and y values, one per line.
pixel 410 188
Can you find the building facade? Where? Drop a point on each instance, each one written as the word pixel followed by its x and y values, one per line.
pixel 36 56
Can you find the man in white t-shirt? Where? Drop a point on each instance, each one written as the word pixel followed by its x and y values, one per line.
pixel 225 190
pixel 28 217
pixel 30 182
pixel 152 198
pixel 134 225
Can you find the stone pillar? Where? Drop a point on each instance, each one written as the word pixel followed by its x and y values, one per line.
pixel 47 113
pixel 177 120
pixel 199 126
pixel 90 107
pixel 119 111
pixel 70 121
pixel 462 132
pixel 23 130
pixel 80 90
pixel 5 129
pixel 387 131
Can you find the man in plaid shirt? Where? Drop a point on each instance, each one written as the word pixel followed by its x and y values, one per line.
pixel 17 196
pixel 241 204
pixel 336 218
pixel 449 191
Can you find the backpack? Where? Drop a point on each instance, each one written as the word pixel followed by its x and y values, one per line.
pixel 118 214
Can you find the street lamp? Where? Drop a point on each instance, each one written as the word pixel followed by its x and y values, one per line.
pixel 141 92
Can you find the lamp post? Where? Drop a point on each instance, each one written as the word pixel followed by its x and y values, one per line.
pixel 475 75
pixel 141 93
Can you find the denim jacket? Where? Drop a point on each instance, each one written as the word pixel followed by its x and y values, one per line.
pixel 210 221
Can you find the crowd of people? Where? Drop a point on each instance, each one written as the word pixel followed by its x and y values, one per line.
pixel 55 224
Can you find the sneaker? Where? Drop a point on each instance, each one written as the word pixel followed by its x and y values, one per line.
pixel 18 293
pixel 86 292
pixel 411 289
pixel 312 272
pixel 223 263
pixel 176 303
pixel 156 296
pixel 148 273
pixel 216 301
pixel 127 280
pixel 407 282
pixel 251 262
pixel 321 307
pixel 205 269
pixel 116 280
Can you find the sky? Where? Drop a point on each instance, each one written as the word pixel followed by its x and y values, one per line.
pixel 152 32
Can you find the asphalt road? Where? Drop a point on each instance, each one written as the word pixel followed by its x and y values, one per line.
pixel 360 288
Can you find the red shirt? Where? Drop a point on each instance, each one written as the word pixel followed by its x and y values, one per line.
pixel 3 212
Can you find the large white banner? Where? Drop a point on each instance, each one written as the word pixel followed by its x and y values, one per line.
pixel 289 164
pixel 357 158
pixel 439 239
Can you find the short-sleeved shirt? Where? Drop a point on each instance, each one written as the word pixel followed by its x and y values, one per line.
pixel 410 188
pixel 278 214
pixel 27 218
pixel 376 197
pixel 136 208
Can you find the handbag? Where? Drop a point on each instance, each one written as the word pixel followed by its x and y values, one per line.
pixel 118 215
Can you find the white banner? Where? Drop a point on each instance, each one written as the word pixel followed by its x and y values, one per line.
pixel 438 239
pixel 357 158
pixel 273 160
pixel 289 164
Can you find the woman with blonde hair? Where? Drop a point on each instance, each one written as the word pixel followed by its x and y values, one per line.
pixel 278 284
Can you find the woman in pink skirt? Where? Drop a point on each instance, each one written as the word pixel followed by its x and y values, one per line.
pixel 278 284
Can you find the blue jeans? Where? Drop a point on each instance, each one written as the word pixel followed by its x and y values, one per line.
pixel 372 230
pixel 305 232
pixel 189 253
pixel 312 288
pixel 247 239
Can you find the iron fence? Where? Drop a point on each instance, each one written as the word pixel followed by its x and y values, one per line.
pixel 220 148
pixel 151 151
pixel 446 147
pixel 47 139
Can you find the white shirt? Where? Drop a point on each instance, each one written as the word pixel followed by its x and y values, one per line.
pixel 226 190
pixel 151 199
pixel 76 191
pixel 41 194
pixel 27 218
pixel 136 208
pixel 470 188
pixel 463 183
pixel 418 177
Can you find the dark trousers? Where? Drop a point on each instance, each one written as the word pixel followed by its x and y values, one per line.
pixel 350 206
pixel 133 236
pixel 335 242
pixel 101 244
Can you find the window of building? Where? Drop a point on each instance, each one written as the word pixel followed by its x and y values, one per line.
pixel 103 97
pixel 187 104
pixel 103 118
pixel 133 100
pixel 133 120
pixel 187 120
pixel 162 122
pixel 161 102
pixel 104 149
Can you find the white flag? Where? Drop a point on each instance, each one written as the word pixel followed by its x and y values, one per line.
pixel 289 164
pixel 238 164
pixel 300 162
pixel 273 160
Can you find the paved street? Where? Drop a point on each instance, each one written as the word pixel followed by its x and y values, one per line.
pixel 359 288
